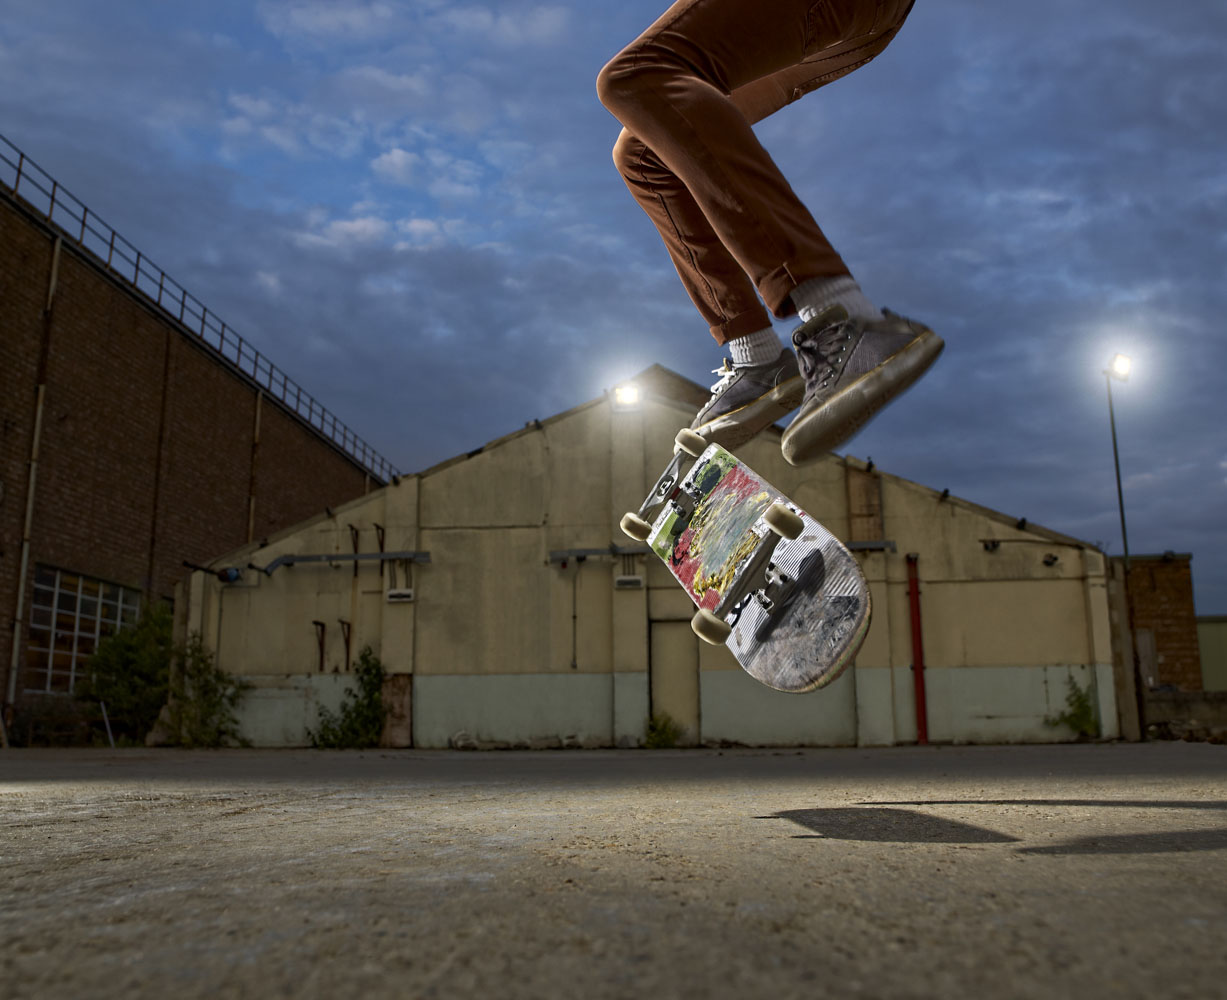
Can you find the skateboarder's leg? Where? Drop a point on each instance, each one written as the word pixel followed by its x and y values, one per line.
pixel 713 278
pixel 764 382
pixel 673 90
pixel 688 91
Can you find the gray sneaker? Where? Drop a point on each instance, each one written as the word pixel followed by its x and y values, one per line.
pixel 852 368
pixel 749 398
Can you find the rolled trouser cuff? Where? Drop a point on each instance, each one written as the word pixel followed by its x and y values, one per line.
pixel 776 286
pixel 741 325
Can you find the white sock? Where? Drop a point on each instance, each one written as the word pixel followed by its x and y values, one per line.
pixel 811 297
pixel 756 348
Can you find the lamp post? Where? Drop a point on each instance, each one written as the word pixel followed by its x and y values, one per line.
pixel 1118 369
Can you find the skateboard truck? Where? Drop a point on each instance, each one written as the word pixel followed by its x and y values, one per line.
pixel 758 577
pixel 667 488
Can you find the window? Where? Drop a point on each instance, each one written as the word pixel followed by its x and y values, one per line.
pixel 69 615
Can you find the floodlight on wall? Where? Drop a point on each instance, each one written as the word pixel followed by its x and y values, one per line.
pixel 626 396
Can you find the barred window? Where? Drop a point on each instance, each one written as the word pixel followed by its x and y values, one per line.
pixel 69 615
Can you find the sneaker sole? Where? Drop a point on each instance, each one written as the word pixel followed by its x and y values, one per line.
pixel 733 429
pixel 812 435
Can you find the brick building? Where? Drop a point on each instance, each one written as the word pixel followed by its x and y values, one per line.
pixel 137 433
pixel 1164 621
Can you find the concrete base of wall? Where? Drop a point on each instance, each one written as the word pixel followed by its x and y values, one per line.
pixel 529 710
pixel 1013 704
pixel 735 708
pixel 278 711
pixel 867 707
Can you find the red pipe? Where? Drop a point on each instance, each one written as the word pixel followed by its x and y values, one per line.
pixel 918 651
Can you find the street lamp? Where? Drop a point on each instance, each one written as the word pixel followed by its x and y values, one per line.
pixel 1118 369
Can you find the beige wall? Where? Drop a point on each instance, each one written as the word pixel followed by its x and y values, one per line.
pixel 1212 640
pixel 515 649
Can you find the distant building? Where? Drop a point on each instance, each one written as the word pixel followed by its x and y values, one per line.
pixel 1164 621
pixel 1212 643
pixel 511 611
pixel 137 432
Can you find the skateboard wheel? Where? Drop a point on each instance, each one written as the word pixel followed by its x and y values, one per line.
pixel 709 628
pixel 691 443
pixel 636 527
pixel 784 521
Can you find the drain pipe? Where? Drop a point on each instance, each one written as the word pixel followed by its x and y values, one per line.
pixel 918 651
pixel 27 525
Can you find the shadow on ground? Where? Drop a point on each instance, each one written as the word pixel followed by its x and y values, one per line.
pixel 895 826
pixel 875 823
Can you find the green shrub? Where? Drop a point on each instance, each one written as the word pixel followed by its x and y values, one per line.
pixel 661 732
pixel 360 721
pixel 138 670
pixel 203 698
pixel 1080 714
pixel 129 672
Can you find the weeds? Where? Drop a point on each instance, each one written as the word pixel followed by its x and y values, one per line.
pixel 661 732
pixel 1080 714
pixel 203 699
pixel 360 721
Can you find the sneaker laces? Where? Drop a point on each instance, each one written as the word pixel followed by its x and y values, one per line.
pixel 820 355
pixel 727 373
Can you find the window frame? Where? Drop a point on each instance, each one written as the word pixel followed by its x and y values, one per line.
pixel 70 614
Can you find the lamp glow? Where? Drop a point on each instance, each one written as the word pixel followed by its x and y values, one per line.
pixel 1120 367
pixel 626 394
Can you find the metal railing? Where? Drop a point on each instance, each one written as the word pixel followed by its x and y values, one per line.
pixel 38 189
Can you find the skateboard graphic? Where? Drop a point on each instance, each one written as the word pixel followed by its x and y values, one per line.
pixel 770 582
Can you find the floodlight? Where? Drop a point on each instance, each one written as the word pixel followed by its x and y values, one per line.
pixel 626 395
pixel 1120 367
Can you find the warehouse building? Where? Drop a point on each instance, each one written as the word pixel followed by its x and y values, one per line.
pixel 137 433
pixel 509 609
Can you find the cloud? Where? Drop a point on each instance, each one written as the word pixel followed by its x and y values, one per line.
pixel 326 22
pixel 541 25
pixel 419 233
pixel 372 87
pixel 268 282
pixel 296 129
pixel 346 234
pixel 396 166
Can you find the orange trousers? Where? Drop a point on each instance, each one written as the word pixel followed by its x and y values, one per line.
pixel 687 92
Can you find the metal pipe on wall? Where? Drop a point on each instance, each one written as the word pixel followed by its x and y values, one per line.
pixel 918 651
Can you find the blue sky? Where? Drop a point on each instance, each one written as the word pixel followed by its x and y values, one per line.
pixel 411 208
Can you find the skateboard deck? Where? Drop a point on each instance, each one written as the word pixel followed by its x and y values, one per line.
pixel 798 608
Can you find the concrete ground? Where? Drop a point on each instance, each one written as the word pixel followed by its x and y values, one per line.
pixel 1089 871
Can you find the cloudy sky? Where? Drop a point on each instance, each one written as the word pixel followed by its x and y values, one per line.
pixel 409 206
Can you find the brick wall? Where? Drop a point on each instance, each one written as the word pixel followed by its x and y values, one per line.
pixel 148 448
pixel 24 271
pixel 1161 590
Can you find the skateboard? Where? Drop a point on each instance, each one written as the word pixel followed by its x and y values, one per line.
pixel 784 594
